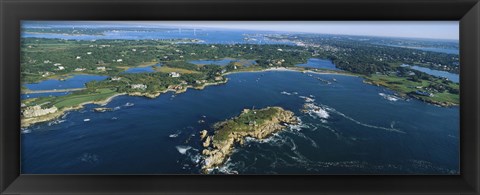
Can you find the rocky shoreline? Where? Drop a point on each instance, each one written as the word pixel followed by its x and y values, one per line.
pixel 28 121
pixel 219 146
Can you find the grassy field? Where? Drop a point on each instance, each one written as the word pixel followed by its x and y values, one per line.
pixel 404 86
pixel 166 69
pixel 73 99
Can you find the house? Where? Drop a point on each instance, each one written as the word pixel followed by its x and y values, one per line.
pixel 78 57
pixel 89 53
pixel 79 69
pixel 57 64
pixel 279 49
pixel 119 60
pixel 138 86
pixel 61 68
pixel 116 78
pixel 174 74
pixel 102 68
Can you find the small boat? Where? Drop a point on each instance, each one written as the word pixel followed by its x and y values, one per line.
pixel 86 120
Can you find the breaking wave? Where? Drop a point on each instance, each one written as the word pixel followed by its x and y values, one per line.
pixel 389 97
pixel 183 149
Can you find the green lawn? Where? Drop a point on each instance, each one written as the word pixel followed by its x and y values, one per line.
pixel 74 99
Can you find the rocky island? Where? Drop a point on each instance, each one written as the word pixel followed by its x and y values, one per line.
pixel 255 123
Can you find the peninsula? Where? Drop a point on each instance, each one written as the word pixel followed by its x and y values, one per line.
pixel 255 123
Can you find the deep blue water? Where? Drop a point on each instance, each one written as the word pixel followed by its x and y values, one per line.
pixel 319 63
pixel 365 132
pixel 450 76
pixel 223 62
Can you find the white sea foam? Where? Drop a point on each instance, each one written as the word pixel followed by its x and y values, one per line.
pixel 55 122
pixel 314 110
pixel 367 125
pixel 25 131
pixel 389 97
pixel 128 104
pixel 183 149
pixel 174 135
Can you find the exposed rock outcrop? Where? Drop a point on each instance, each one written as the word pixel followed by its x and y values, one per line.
pixel 36 111
pixel 203 134
pixel 233 131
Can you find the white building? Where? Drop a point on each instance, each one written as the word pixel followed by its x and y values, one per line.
pixel 138 86
pixel 78 57
pixel 57 64
pixel 61 68
pixel 174 74
pixel 89 53
pixel 79 69
pixel 102 68
pixel 119 60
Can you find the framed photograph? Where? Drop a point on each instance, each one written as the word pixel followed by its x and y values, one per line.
pixel 240 97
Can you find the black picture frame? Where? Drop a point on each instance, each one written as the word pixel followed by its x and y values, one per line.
pixel 13 11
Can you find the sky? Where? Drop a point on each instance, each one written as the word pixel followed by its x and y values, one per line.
pixel 409 29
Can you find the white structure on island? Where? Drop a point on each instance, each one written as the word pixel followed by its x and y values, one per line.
pixel 174 74
pixel 101 68
pixel 116 78
pixel 79 69
pixel 138 86
pixel 61 68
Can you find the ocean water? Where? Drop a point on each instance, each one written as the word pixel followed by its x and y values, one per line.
pixel 319 63
pixel 362 129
